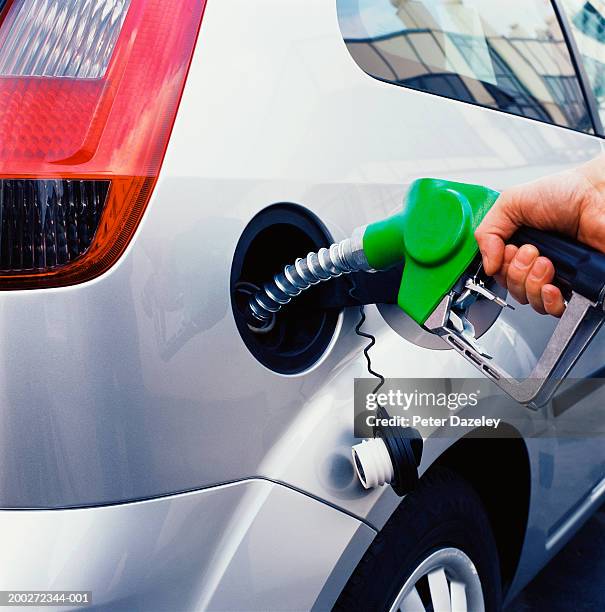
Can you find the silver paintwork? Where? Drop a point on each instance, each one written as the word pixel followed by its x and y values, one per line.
pixel 588 505
pixel 137 384
pixel 231 547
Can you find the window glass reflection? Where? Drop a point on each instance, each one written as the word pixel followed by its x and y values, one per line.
pixel 505 55
pixel 587 21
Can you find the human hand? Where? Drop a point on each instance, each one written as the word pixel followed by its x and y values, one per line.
pixel 571 203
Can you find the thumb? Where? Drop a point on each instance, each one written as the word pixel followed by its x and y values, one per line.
pixel 498 225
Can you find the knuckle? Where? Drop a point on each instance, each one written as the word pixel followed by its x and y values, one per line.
pixel 533 286
pixel 516 275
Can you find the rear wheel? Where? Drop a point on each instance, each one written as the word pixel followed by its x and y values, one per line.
pixel 446 580
pixel 436 553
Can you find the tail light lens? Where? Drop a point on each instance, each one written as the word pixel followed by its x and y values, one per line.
pixel 88 95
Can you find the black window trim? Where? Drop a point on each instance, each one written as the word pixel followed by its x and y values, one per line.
pixel 576 59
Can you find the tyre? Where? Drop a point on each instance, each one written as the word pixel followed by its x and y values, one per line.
pixel 436 553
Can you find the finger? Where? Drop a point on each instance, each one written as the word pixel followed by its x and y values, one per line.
pixel 492 251
pixel 498 224
pixel 518 271
pixel 541 273
pixel 509 254
pixel 553 300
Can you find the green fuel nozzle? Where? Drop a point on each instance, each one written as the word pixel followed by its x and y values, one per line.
pixel 434 235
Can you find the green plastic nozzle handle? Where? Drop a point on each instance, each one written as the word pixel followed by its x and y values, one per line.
pixel 434 235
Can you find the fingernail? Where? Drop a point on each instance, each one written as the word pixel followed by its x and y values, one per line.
pixel 525 256
pixel 539 269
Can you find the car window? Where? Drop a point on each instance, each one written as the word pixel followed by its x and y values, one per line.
pixel 510 56
pixel 587 22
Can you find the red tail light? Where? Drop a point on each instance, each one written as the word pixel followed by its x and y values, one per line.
pixel 88 95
